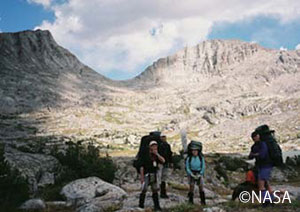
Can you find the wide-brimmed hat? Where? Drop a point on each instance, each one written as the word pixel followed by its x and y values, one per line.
pixel 194 147
pixel 264 129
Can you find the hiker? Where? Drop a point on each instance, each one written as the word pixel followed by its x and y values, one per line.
pixel 260 151
pixel 195 168
pixel 164 168
pixel 144 148
pixel 148 174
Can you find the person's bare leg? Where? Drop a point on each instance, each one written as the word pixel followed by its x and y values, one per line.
pixel 201 191
pixel 268 187
pixel 261 185
pixel 191 191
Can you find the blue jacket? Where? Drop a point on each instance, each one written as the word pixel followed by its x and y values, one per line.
pixel 263 159
pixel 195 165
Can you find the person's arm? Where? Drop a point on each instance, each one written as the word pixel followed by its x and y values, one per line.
pixel 160 158
pixel 142 175
pixel 253 154
pixel 202 167
pixel 187 165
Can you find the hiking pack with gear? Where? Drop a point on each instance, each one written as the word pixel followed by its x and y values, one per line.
pixel 192 146
pixel 195 145
pixel 144 148
pixel 274 150
pixel 249 185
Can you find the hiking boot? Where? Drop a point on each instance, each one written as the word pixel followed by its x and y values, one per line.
pixel 163 191
pixel 191 197
pixel 156 202
pixel 202 197
pixel 142 200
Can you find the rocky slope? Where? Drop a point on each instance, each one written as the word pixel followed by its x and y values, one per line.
pixel 37 73
pixel 218 90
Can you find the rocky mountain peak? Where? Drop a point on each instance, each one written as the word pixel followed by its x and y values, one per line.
pixel 35 72
pixel 192 64
pixel 34 47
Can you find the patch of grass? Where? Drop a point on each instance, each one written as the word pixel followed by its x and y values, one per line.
pixel 180 187
pixel 295 204
pixel 174 138
pixel 53 208
pixel 112 208
pixel 74 131
pixel 111 117
pixel 185 207
pixel 126 152
pixel 193 134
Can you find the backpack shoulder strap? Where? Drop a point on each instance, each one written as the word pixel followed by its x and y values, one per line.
pixel 190 159
pixel 200 157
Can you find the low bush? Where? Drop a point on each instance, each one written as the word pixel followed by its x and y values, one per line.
pixel 79 161
pixel 14 189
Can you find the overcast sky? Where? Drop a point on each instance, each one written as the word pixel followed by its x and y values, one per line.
pixel 120 38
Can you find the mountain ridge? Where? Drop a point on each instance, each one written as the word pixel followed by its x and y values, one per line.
pixel 207 88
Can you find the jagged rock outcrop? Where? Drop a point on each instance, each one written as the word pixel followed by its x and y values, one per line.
pixel 39 169
pixel 193 64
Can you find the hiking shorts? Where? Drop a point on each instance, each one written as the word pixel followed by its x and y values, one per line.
pixel 264 173
pixel 150 179
pixel 164 173
pixel 199 182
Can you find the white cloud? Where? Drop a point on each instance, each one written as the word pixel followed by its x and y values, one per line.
pixel 297 47
pixel 283 49
pixel 45 3
pixel 124 35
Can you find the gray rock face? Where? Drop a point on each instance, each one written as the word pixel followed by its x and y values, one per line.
pixel 193 64
pixel 93 194
pixel 35 72
pixel 293 191
pixel 33 204
pixel 8 105
pixel 282 175
pixel 39 169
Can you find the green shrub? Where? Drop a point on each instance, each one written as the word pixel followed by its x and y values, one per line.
pixel 14 189
pixel 85 161
pixel 221 172
pixel 79 161
pixel 176 161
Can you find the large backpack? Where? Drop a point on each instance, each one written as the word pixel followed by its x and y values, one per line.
pixel 274 149
pixel 144 149
pixel 194 145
